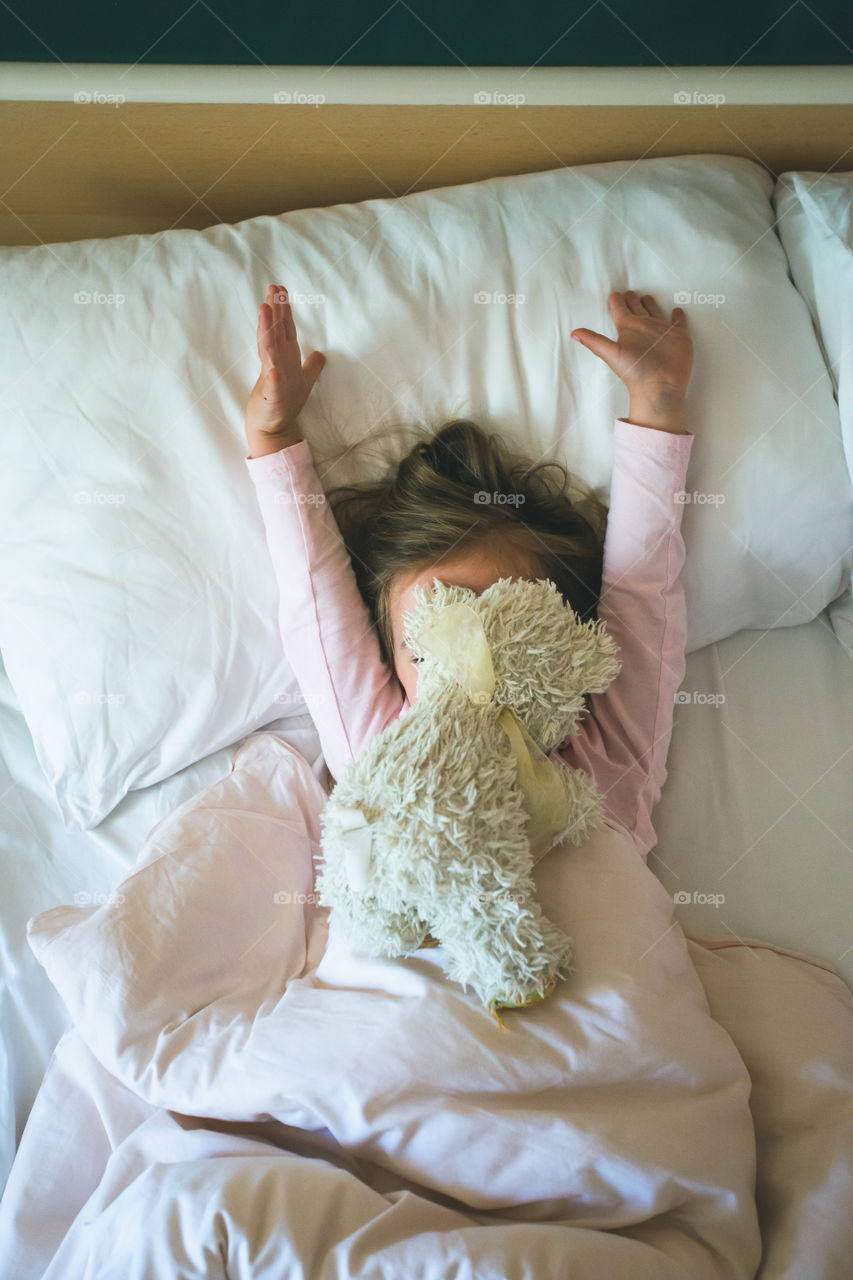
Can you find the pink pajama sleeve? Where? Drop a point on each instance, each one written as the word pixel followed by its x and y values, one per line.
pixel 328 635
pixel 625 736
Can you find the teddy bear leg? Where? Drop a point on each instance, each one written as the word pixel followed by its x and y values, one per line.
pixel 499 942
pixel 407 927
pixel 377 929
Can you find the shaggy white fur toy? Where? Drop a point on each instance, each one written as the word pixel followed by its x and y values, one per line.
pixel 434 828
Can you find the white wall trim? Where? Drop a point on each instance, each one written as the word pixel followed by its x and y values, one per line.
pixel 112 83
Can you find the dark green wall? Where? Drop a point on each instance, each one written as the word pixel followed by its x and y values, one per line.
pixel 430 32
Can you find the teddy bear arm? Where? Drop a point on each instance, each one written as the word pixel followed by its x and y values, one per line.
pixel 584 804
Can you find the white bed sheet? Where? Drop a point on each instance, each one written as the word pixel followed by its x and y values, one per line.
pixel 756 808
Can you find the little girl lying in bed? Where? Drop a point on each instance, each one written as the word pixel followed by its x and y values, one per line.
pixel 462 508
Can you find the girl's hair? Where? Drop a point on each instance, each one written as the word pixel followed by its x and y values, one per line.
pixel 460 490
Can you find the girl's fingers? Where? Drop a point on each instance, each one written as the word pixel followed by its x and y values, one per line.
pixel 283 313
pixel 275 315
pixel 605 348
pixel 631 303
pixel 618 307
pixel 264 326
pixel 313 367
pixel 276 328
pixel 267 338
pixel 678 316
pixel 652 307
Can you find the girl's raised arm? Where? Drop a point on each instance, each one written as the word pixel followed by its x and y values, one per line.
pixel 624 741
pixel 327 632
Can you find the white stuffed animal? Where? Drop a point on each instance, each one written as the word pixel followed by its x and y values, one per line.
pixel 434 828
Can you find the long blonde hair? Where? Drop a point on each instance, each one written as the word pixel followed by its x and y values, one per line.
pixel 430 503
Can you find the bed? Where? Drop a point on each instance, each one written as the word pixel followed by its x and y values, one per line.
pixel 142 665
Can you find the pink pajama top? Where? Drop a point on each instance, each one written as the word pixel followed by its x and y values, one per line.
pixel 351 693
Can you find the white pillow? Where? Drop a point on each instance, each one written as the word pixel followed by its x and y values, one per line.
pixel 139 625
pixel 815 225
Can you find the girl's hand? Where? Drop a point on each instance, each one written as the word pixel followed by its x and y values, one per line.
pixel 284 383
pixel 653 356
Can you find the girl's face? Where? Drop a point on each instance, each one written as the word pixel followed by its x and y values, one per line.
pixel 475 569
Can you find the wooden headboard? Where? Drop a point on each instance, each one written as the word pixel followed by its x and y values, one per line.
pixel 104 150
